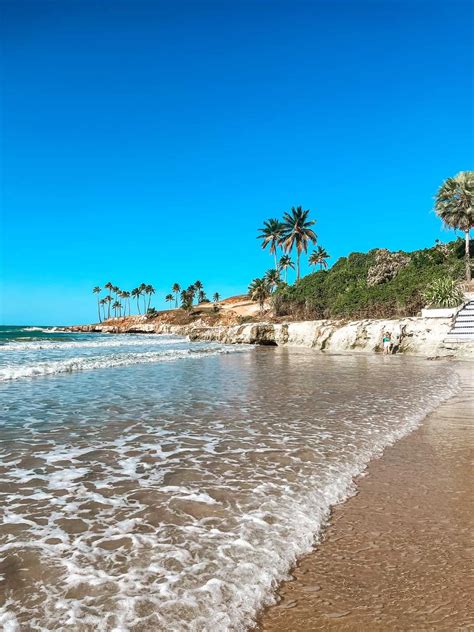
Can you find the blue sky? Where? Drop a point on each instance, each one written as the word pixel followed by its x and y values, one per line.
pixel 146 141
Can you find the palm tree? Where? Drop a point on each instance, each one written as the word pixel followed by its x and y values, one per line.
pixel 285 263
pixel 116 291
pixel 297 232
pixel 103 302
pixel 126 297
pixel 108 299
pixel 116 306
pixel 109 286
pixel 187 298
pixel 271 234
pixel 259 291
pixel 169 298
pixel 142 287
pixel 191 292
pixel 273 278
pixel 454 205
pixel 136 293
pixel 176 289
pixel 149 289
pixel 97 291
pixel 199 288
pixel 318 257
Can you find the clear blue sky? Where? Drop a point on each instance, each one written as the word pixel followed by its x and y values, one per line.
pixel 146 141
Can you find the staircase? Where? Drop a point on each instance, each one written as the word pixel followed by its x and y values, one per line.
pixel 463 325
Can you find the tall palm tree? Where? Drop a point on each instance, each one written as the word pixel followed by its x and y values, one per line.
pixel 116 291
pixel 169 298
pixel 97 291
pixel 126 296
pixel 142 289
pixel 271 234
pixel 109 286
pixel 149 290
pixel 176 289
pixel 285 263
pixel 272 277
pixel 297 232
pixel 259 290
pixel 102 303
pixel 199 287
pixel 318 257
pixel 108 299
pixel 454 205
pixel 116 306
pixel 136 293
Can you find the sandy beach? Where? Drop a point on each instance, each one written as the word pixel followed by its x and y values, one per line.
pixel 398 555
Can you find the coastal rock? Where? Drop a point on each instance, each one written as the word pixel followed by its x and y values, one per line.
pixel 387 266
pixel 414 335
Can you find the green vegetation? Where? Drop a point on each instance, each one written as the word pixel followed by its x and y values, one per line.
pixel 378 284
pixel 443 292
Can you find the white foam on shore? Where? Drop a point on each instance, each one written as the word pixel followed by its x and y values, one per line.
pixel 102 342
pixel 53 367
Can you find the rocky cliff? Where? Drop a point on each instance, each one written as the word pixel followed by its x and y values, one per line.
pixel 416 336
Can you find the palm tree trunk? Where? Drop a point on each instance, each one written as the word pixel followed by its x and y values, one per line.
pixel 98 309
pixel 176 300
pixel 298 254
pixel 468 260
pixel 275 257
pixel 138 304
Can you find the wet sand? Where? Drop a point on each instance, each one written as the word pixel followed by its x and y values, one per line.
pixel 399 554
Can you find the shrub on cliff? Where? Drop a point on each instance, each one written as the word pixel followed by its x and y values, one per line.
pixel 443 292
pixel 348 290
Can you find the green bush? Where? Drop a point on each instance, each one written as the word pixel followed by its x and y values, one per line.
pixel 342 291
pixel 445 292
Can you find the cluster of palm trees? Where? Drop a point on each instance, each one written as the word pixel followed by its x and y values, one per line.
pixel 186 296
pixel 454 205
pixel 117 302
pixel 110 303
pixel 293 232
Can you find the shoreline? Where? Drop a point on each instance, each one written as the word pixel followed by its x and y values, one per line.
pixel 393 556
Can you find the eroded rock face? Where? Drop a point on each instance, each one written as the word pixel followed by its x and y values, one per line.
pixel 387 266
pixel 416 336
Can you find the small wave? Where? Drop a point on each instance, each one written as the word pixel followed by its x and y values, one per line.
pixel 45 330
pixel 87 364
pixel 104 343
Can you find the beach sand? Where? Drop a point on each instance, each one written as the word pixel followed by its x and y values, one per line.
pixel 399 554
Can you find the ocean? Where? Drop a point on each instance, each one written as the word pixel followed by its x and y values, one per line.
pixel 149 483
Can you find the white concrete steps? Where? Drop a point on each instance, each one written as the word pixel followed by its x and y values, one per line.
pixel 463 325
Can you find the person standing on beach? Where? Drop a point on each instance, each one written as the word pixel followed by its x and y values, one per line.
pixel 387 343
